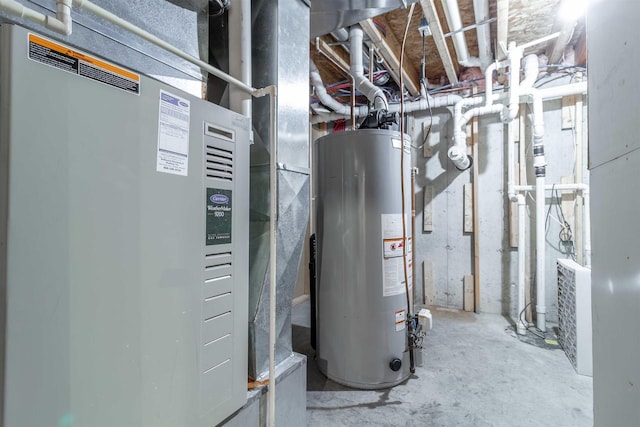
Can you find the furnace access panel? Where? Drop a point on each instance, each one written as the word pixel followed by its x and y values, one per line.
pixel 124 215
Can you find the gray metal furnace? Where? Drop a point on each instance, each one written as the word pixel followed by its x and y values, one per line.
pixel 123 244
pixel 361 297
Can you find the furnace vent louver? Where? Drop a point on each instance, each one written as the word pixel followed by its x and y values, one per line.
pixel 574 314
pixel 219 163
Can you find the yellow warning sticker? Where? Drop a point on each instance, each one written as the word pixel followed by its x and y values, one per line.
pixel 73 61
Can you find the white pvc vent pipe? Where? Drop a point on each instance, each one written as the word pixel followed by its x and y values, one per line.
pixel 481 12
pixel 328 100
pixel 373 93
pixel 452 13
pixel 61 23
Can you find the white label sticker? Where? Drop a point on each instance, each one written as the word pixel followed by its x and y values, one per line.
pixel 392 226
pixel 395 143
pixel 173 134
pixel 393 276
pixel 401 317
pixel 392 255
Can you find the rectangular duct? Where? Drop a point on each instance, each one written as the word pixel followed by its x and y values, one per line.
pixel 330 15
pixel 280 52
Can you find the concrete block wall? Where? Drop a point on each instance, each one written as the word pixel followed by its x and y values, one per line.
pixel 447 247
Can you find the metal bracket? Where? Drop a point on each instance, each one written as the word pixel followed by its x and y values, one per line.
pixel 295 169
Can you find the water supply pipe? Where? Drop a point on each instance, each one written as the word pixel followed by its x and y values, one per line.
pixel 373 93
pixel 522 213
pixel 521 328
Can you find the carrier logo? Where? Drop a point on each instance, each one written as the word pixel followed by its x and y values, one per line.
pixel 183 104
pixel 219 199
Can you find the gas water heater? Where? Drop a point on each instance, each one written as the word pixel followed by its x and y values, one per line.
pixel 361 332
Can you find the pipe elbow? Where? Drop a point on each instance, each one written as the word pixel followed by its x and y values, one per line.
pixel 58 26
pixel 518 198
pixel 459 158
pixel 509 113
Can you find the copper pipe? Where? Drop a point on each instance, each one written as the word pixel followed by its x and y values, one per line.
pixel 371 53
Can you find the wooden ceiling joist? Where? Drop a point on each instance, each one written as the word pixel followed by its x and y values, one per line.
pixel 430 14
pixel 389 48
pixel 323 48
pixel 555 49
pixel 581 50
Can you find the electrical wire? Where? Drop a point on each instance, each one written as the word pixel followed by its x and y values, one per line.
pixel 222 7
pixel 565 235
pixel 423 72
pixel 537 332
pixel 402 193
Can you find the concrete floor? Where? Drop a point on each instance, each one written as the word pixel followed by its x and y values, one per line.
pixel 476 373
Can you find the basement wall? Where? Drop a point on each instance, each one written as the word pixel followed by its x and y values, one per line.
pixel 448 248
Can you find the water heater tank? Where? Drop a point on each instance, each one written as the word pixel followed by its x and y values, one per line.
pixel 361 297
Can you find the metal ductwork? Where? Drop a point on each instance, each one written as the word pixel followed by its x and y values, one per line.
pixel 330 15
pixel 278 59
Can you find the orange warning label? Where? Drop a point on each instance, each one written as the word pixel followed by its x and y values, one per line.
pixel 70 60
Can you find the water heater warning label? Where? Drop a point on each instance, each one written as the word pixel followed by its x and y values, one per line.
pixel 218 216
pixel 393 250
pixel 72 61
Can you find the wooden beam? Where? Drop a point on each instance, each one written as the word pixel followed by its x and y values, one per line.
pixel 335 59
pixel 476 216
pixel 430 14
pixel 468 289
pixel 389 48
pixel 581 49
pixel 427 210
pixel 556 47
pixel 502 29
pixel 468 208
pixel 428 297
